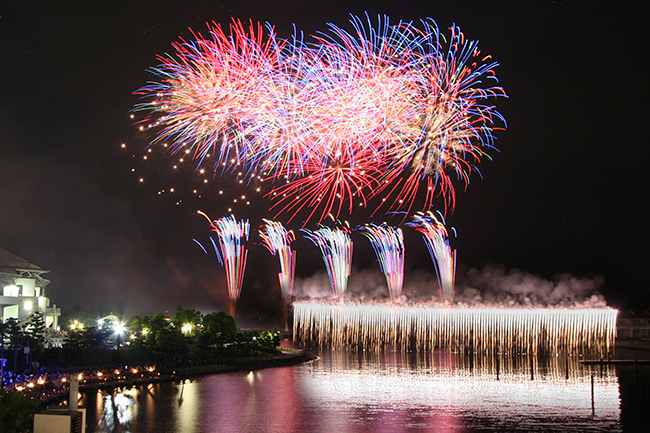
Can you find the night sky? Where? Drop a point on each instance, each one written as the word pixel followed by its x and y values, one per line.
pixel 564 194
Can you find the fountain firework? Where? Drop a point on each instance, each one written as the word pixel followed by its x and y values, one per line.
pixel 542 331
pixel 230 233
pixel 388 243
pixel 444 259
pixel 336 248
pixel 278 240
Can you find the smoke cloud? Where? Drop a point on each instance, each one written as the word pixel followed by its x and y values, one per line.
pixel 495 285
pixel 492 285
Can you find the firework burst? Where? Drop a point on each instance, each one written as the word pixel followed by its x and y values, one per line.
pixel 387 110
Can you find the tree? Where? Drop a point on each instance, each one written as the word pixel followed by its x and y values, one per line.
pixel 170 340
pixel 217 328
pixel 135 324
pixel 152 325
pixel 15 336
pixel 192 317
pixel 269 340
pixel 82 347
pixel 35 332
pixel 16 411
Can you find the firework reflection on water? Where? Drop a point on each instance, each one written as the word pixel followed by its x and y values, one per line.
pixel 456 394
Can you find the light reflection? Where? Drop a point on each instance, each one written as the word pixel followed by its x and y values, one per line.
pixel 117 409
pixel 448 391
pixel 387 391
pixel 188 407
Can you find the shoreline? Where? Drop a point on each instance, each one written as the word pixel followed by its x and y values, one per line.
pixel 145 375
pixel 56 389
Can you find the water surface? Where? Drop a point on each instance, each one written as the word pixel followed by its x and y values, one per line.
pixel 376 392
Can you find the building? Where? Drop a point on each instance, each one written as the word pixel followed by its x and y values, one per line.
pixel 632 325
pixel 23 291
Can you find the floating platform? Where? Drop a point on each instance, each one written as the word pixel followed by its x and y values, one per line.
pixel 614 361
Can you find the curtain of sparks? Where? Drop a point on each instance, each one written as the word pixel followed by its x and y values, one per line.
pixel 583 331
pixel 278 240
pixel 230 234
pixel 336 247
pixel 388 243
pixel 388 111
pixel 444 259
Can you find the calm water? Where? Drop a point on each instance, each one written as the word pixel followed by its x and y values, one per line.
pixel 387 392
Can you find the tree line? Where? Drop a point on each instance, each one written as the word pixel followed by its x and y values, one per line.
pixel 186 337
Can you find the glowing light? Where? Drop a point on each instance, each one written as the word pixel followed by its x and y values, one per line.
pixel 119 328
pixel 278 240
pixel 385 110
pixel 388 243
pixel 459 328
pixel 336 248
pixel 230 234
pixel 444 259
pixel 76 325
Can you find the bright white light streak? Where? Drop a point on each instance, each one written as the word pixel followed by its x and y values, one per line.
pixel 463 329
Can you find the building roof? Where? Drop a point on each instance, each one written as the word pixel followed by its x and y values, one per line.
pixel 11 264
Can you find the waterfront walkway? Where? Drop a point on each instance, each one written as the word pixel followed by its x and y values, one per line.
pixel 52 386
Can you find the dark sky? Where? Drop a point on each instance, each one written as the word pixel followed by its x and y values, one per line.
pixel 565 194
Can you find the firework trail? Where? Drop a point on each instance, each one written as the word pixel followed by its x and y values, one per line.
pixel 444 259
pixel 388 243
pixel 230 233
pixel 278 240
pixel 214 245
pixel 387 110
pixel 336 248
pixel 327 189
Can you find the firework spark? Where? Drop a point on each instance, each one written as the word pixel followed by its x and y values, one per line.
pixel 278 240
pixel 230 234
pixel 336 248
pixel 383 111
pixel 444 259
pixel 482 330
pixel 388 243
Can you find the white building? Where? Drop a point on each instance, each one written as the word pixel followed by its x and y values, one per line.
pixel 23 290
